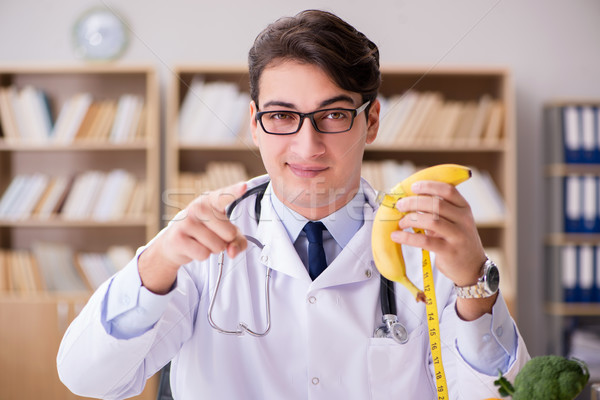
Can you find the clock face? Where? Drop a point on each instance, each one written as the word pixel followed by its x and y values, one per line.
pixel 100 34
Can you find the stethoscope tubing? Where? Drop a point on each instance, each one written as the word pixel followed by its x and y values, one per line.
pixel 390 328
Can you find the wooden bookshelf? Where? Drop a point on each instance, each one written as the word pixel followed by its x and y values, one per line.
pixel 28 361
pixel 498 157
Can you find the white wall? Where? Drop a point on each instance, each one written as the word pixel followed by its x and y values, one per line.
pixel 551 46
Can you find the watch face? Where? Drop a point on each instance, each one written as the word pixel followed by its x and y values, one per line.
pixel 100 34
pixel 493 278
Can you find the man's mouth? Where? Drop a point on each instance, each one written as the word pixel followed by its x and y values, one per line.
pixel 307 171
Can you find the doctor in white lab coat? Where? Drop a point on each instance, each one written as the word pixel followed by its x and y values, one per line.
pixel 321 343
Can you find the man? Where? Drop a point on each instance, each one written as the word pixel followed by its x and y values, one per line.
pixel 314 82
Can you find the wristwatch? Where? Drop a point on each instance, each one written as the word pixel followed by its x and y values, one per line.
pixel 486 286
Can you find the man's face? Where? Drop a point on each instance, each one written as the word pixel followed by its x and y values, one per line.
pixel 312 173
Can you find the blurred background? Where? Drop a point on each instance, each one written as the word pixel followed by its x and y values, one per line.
pixel 549 46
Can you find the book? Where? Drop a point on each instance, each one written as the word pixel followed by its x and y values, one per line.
pixel 34 189
pixel 11 196
pixel 589 211
pixel 569 272
pixel 572 134
pixel 56 194
pixel 36 113
pixel 70 118
pixel 493 129
pixel 103 122
pixel 81 199
pixel 86 127
pixel 573 204
pixel 114 196
pixel 585 273
pixel 8 122
pixel 4 286
pixel 587 134
pixel 57 267
pixel 481 117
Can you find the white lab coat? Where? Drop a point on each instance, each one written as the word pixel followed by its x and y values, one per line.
pixel 320 346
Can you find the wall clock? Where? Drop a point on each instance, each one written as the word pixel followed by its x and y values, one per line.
pixel 100 35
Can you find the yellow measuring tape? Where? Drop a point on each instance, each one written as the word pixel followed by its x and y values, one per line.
pixel 433 325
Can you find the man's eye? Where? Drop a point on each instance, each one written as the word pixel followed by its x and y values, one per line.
pixel 336 114
pixel 280 116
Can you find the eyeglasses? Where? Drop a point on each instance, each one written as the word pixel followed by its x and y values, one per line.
pixel 330 120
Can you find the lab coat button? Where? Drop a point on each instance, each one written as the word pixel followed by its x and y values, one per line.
pixel 499 331
pixel 312 299
pixel 486 338
pixel 315 381
pixel 368 273
pixel 264 259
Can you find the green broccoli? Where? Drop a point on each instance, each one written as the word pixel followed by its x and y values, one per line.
pixel 546 378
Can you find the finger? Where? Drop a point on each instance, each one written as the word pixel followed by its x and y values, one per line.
pixel 191 249
pixel 434 206
pixel 236 246
pixel 418 240
pixel 435 227
pixel 444 190
pixel 212 240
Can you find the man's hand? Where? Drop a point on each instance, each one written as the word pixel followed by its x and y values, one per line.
pixel 450 231
pixel 200 230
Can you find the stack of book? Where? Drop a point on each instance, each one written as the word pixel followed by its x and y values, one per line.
pixel 26 117
pixel 56 268
pixel 92 195
pixel 423 118
pixel 213 113
pixel 480 191
pixel 580 273
pixel 573 133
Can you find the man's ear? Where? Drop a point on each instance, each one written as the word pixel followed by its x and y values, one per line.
pixel 373 121
pixel 253 122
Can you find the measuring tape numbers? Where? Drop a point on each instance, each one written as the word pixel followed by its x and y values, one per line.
pixel 433 325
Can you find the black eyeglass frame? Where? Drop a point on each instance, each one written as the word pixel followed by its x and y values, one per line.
pixel 311 117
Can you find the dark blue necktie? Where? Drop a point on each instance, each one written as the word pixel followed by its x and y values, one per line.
pixel 316 254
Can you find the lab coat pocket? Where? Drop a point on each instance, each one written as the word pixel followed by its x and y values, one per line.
pixel 399 370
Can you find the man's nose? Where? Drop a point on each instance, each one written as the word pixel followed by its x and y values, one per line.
pixel 308 143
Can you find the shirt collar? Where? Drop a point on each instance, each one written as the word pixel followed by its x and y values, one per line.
pixel 342 224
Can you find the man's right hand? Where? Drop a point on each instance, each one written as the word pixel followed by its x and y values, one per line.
pixel 201 229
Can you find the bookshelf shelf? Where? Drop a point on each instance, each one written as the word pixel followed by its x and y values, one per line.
pixel 465 86
pixel 101 119
pixel 573 310
pixel 562 170
pixel 432 148
pixel 563 239
pixel 62 223
pixel 139 146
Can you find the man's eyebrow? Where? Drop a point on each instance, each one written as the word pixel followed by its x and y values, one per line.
pixel 278 103
pixel 341 97
pixel 324 103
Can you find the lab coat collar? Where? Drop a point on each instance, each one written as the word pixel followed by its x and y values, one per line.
pixel 353 264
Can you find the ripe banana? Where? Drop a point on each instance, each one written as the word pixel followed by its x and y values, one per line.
pixel 387 253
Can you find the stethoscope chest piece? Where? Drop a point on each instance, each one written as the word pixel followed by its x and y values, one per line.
pixel 392 328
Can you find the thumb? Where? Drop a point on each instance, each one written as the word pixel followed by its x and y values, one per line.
pixel 221 198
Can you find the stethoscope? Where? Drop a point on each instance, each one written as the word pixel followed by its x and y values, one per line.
pixel 390 328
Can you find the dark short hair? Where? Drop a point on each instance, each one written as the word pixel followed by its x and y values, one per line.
pixel 325 40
